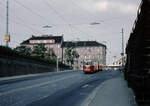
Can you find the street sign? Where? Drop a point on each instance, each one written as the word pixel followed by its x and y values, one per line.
pixel 7 38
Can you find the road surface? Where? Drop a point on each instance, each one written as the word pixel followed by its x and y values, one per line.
pixel 52 89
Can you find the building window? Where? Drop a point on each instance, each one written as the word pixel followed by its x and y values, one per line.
pixel 44 41
pixel 89 49
pixel 38 41
pixel 51 41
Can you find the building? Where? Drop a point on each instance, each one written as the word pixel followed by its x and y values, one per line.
pixel 87 50
pixel 119 61
pixel 51 42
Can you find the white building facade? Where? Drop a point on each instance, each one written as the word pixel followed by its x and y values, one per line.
pixel 87 50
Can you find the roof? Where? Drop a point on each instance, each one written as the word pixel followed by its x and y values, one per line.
pixel 82 44
pixel 58 39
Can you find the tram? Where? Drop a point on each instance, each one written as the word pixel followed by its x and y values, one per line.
pixel 91 66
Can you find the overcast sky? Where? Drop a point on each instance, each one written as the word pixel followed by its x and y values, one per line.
pixel 71 18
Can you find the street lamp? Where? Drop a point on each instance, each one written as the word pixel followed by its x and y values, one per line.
pixel 57 62
pixel 94 23
pixel 47 26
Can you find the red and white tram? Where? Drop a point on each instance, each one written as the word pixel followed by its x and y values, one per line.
pixel 91 67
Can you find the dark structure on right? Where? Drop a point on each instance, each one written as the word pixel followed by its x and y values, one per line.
pixel 137 69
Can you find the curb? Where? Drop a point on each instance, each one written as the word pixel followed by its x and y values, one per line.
pixel 30 75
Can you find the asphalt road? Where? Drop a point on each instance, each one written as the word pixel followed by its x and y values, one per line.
pixel 52 89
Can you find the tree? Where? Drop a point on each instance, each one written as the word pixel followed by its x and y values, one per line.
pixel 24 50
pixel 71 55
pixel 51 54
pixel 39 50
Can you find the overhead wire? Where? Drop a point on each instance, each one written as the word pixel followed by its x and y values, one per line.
pixel 55 12
pixel 91 14
pixel 31 11
pixel 21 24
pixel 62 18
pixel 1 2
pixel 22 20
pixel 53 9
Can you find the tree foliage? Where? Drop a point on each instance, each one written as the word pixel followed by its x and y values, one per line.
pixel 39 50
pixel 51 54
pixel 24 50
pixel 70 55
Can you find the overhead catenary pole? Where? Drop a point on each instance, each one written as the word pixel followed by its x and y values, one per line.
pixel 7 15
pixel 57 62
pixel 7 36
pixel 122 54
pixel 57 66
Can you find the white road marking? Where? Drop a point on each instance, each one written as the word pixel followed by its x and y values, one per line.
pixel 89 99
pixel 31 75
pixel 36 85
pixel 83 93
pixel 85 86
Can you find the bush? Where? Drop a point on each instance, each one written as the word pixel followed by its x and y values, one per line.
pixel 8 52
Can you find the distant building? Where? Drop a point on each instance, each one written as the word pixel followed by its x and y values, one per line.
pixel 91 50
pixel 51 42
pixel 119 62
pixel 86 49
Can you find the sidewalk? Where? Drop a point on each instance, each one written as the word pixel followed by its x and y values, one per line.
pixel 112 92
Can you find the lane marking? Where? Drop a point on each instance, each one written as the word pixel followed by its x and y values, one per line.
pixel 32 75
pixel 89 99
pixel 36 85
pixel 85 86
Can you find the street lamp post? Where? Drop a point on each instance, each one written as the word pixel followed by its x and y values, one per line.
pixel 122 54
pixel 57 62
pixel 7 36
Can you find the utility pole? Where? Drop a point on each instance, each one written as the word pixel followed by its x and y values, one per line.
pixel 122 54
pixel 7 36
pixel 57 62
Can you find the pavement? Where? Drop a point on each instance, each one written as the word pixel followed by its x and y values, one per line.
pixel 113 92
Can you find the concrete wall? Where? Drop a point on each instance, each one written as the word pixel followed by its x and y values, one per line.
pixel 15 66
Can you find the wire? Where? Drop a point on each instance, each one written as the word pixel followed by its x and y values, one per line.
pixel 30 10
pixel 54 10
pixel 103 20
pixel 21 24
pixel 0 2
pixel 91 14
pixel 62 18
pixel 20 19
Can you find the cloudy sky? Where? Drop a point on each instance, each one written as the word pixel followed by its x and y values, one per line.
pixel 71 18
